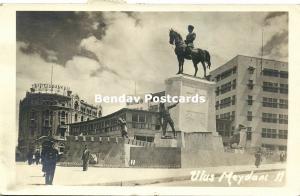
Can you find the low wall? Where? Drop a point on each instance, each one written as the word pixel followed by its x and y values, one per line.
pixel 201 158
pixel 158 157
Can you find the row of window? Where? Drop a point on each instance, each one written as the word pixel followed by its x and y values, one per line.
pixel 275 88
pixel 226 102
pixel 226 73
pixel 275 118
pixel 275 103
pixel 273 133
pixel 224 88
pixel 272 147
pixel 266 102
pixel 226 116
pixel 275 73
pixel 137 121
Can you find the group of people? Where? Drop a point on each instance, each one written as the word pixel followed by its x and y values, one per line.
pixel 33 157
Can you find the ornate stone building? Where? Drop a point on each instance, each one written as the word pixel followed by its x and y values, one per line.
pixel 47 110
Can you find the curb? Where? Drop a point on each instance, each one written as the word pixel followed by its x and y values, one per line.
pixel 173 179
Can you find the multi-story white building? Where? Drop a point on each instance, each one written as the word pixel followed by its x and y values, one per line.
pixel 253 92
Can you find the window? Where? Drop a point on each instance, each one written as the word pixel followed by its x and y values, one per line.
pixel 271 72
pixel 217 116
pixel 249 133
pixel 268 147
pixel 233 115
pixel 269 133
pixel 233 100
pixel 282 148
pixel 284 74
pixel 283 119
pixel 217 105
pixel 234 70
pixel 249 116
pixel 270 102
pixel 32 118
pixel 234 84
pixel 225 116
pixel 76 106
pixel 225 102
pixel 225 88
pixel 282 134
pixel 270 118
pixel 139 121
pixel 251 69
pixel 217 91
pixel 270 87
pixel 81 118
pixel 284 88
pixel 76 116
pixel 226 74
pixel 250 100
pixel 283 103
pixel 250 84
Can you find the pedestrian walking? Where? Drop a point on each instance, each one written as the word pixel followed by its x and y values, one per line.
pixel 85 158
pixel 49 158
pixel 258 157
pixel 37 157
pixel 282 156
pixel 29 157
pixel 123 126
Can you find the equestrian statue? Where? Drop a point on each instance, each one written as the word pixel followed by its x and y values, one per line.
pixel 185 50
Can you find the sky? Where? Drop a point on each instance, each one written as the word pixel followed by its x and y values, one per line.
pixel 115 53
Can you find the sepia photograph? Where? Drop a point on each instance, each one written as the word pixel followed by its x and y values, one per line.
pixel 112 98
pixel 149 100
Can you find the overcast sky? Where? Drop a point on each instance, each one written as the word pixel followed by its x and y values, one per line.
pixel 107 52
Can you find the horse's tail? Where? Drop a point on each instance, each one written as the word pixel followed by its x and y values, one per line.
pixel 207 58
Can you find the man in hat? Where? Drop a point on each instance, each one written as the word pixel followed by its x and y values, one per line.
pixel 165 118
pixel 49 158
pixel 189 40
pixel 85 158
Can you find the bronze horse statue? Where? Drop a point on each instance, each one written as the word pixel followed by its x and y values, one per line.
pixel 197 55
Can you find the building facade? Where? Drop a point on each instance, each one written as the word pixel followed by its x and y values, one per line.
pixel 253 93
pixel 143 105
pixel 46 110
pixel 141 125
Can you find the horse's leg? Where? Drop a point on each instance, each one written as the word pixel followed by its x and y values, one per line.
pixel 204 68
pixel 196 68
pixel 182 62
pixel 179 64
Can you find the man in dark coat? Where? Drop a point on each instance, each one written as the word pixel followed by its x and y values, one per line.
pixel 165 118
pixel 30 157
pixel 190 39
pixel 258 157
pixel 37 157
pixel 85 158
pixel 49 158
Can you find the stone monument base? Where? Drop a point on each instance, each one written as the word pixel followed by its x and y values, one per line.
pixel 192 140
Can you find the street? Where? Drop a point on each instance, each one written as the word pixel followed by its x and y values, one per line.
pixel 32 175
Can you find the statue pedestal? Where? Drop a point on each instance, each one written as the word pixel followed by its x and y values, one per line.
pixel 195 122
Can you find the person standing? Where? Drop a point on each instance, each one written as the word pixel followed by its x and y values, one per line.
pixel 123 127
pixel 37 157
pixel 258 157
pixel 85 158
pixel 165 118
pixel 49 158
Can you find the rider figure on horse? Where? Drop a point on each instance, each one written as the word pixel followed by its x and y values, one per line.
pixel 189 41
